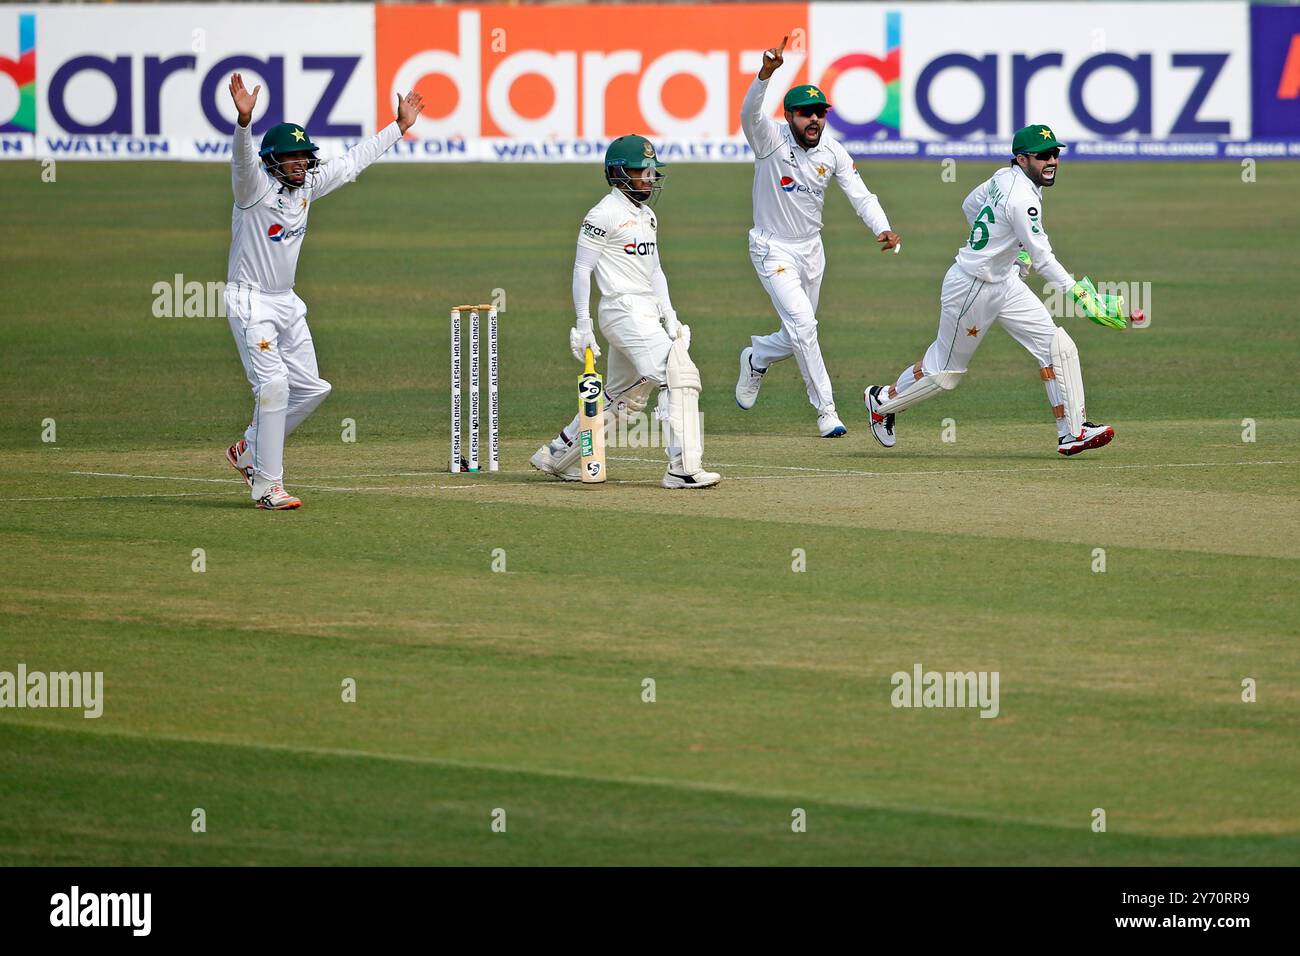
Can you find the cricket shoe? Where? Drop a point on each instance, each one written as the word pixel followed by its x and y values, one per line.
pixel 701 479
pixel 1092 436
pixel 275 498
pixel 829 424
pixel 544 460
pixel 750 380
pixel 240 457
pixel 882 426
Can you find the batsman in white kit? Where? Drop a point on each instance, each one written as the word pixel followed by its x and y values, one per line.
pixel 648 347
pixel 274 188
pixel 985 287
pixel 793 165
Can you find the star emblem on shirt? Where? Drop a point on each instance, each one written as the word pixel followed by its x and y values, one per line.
pixel 973 331
pixel 298 135
pixel 780 269
pixel 821 170
pixel 304 202
pixel 264 346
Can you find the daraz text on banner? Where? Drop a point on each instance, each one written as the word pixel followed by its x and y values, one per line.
pixel 556 83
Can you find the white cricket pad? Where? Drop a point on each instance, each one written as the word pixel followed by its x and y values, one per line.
pixel 684 406
pixel 1065 366
pixel 925 387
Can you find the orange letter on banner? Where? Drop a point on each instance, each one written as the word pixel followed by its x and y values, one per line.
pixel 595 71
pixel 1288 87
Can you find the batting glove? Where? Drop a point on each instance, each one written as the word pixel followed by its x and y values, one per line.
pixel 580 341
pixel 671 325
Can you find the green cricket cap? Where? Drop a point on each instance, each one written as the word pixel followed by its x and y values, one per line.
pixel 632 152
pixel 806 95
pixel 1034 139
pixel 286 138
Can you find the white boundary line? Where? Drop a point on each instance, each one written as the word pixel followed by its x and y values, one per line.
pixel 805 472
pixel 849 472
pixel 183 494
pixel 238 481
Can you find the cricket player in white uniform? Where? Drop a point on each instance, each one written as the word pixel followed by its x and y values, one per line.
pixel 986 287
pixel 793 165
pixel 274 189
pixel 648 346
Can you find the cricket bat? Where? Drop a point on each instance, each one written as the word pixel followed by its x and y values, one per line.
pixel 591 422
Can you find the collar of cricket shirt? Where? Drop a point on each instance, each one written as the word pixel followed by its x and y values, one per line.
pixel 1038 190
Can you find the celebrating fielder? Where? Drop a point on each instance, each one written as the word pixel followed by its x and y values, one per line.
pixel 648 346
pixel 986 286
pixel 793 165
pixel 274 187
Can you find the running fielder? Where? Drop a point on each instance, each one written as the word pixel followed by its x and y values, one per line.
pixel 793 165
pixel 985 286
pixel 274 188
pixel 648 346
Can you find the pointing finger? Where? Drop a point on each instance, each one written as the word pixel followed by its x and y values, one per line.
pixel 784 40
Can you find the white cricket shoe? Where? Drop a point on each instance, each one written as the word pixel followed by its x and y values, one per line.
pixel 882 426
pixel 274 498
pixel 240 457
pixel 829 424
pixel 701 479
pixel 750 380
pixel 1092 436
pixel 544 460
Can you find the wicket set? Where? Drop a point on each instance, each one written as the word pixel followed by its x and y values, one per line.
pixel 471 464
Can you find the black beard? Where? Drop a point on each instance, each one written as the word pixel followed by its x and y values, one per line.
pixel 806 142
pixel 638 196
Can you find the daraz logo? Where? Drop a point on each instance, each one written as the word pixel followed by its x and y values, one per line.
pixel 23 72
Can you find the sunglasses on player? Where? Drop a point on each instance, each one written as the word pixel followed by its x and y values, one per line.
pixel 817 111
pixel 1047 154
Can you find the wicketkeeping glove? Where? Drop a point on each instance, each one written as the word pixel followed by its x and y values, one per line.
pixel 1023 263
pixel 1107 310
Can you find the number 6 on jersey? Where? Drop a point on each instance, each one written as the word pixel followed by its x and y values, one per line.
pixel 591 422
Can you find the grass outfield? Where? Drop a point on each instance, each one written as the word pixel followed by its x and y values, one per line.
pixel 522 690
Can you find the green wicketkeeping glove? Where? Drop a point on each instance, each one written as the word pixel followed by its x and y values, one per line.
pixel 1024 263
pixel 1107 310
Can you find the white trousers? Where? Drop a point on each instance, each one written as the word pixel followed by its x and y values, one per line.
pixel 791 272
pixel 968 309
pixel 638 344
pixel 270 330
pixel 636 347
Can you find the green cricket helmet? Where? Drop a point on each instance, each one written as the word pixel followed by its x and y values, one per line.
pixel 281 140
pixel 633 152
